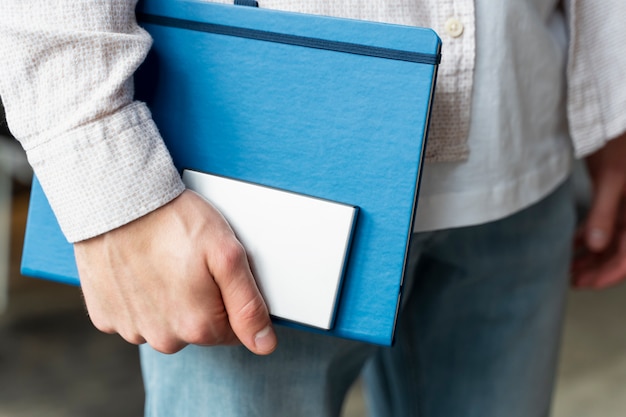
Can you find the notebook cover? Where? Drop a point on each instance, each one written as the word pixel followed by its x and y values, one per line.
pixel 333 108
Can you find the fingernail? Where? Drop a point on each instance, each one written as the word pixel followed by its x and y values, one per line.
pixel 265 340
pixel 596 238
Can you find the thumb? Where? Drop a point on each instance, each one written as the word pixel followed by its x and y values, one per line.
pixel 247 312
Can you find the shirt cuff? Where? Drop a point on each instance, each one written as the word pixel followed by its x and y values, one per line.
pixel 107 173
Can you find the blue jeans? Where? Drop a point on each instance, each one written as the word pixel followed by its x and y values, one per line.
pixel 478 335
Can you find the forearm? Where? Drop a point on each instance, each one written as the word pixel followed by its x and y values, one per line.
pixel 66 83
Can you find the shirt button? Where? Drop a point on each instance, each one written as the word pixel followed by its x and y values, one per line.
pixel 454 27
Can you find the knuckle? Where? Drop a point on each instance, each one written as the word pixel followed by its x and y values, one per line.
pixel 231 255
pixel 166 345
pixel 197 335
pixel 128 333
pixel 205 330
pixel 133 338
pixel 101 324
pixel 252 311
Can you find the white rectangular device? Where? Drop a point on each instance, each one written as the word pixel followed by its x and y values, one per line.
pixel 297 245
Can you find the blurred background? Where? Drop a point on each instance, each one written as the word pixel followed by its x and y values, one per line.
pixel 54 364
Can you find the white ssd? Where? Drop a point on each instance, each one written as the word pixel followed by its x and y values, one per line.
pixel 297 245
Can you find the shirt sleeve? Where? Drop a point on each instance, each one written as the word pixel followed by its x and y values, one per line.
pixel 596 90
pixel 66 84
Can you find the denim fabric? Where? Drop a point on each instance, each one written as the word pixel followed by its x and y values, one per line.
pixel 308 375
pixel 478 335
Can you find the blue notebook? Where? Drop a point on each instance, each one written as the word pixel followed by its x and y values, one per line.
pixel 330 108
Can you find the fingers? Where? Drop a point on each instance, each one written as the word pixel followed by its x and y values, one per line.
pixel 247 312
pixel 601 270
pixel 175 277
pixel 597 271
pixel 600 248
pixel 602 217
pixel 608 176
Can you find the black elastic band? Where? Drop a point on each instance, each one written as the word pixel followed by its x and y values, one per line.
pixel 250 3
pixel 352 48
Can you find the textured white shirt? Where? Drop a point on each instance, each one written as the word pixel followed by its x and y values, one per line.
pixel 518 138
pixel 67 87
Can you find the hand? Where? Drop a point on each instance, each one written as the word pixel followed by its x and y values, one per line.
pixel 600 244
pixel 174 277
